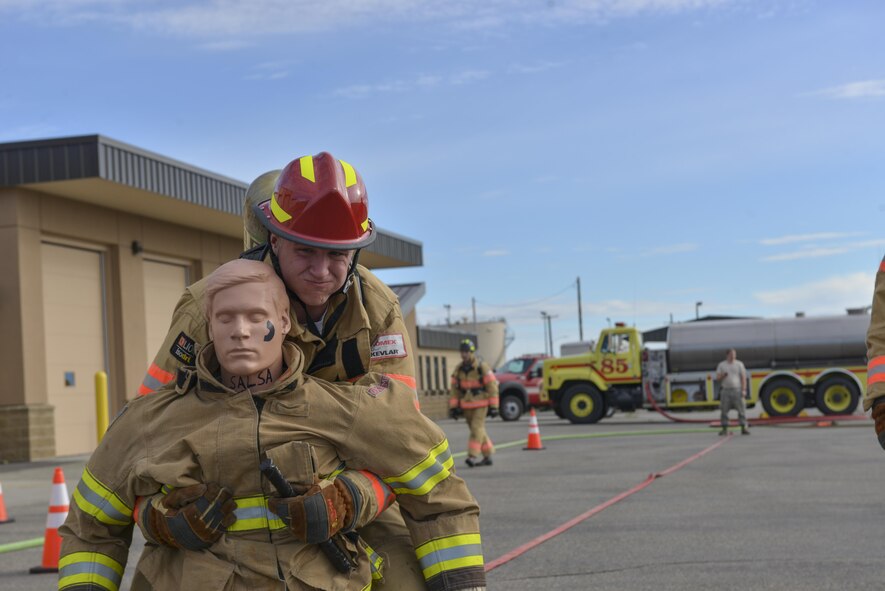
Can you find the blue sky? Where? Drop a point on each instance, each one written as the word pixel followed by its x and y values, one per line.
pixel 664 151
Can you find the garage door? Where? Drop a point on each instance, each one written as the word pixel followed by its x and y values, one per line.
pixel 164 282
pixel 74 321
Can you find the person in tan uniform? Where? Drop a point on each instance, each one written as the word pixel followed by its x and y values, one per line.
pixel 202 440
pixel 309 221
pixel 876 358
pixel 474 393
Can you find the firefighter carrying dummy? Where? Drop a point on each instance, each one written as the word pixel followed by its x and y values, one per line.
pixel 309 222
pixel 875 397
pixel 474 394
pixel 194 453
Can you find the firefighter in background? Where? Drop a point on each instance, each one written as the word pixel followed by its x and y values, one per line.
pixel 247 400
pixel 474 394
pixel 875 397
pixel 309 222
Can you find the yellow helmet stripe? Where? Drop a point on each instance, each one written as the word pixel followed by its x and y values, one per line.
pixel 307 168
pixel 349 174
pixel 277 211
pixel 365 225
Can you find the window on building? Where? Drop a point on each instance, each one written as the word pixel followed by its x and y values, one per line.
pixel 420 376
pixel 427 384
pixel 436 372
pixel 445 373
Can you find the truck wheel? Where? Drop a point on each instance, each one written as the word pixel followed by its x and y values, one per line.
pixel 837 395
pixel 511 407
pixel 557 408
pixel 582 404
pixel 782 397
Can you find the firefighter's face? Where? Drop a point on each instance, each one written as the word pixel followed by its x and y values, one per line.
pixel 465 356
pixel 314 274
pixel 248 328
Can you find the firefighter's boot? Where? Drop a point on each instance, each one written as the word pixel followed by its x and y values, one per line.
pixel 723 431
pixel 744 430
pixel 486 461
pixel 471 462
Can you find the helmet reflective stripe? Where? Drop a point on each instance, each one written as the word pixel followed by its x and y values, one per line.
pixel 278 212
pixel 365 224
pixel 307 168
pixel 349 175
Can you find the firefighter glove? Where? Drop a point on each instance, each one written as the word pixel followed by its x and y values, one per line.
pixel 192 518
pixel 321 512
pixel 879 417
pixel 493 412
pixel 456 412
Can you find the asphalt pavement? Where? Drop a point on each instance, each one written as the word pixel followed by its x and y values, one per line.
pixel 788 507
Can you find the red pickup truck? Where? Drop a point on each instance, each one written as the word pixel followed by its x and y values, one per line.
pixel 519 382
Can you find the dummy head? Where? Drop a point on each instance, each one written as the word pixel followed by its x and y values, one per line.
pixel 248 313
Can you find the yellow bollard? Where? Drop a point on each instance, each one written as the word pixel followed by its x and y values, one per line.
pixel 101 404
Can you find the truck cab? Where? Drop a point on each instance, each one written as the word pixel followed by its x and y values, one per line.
pixel 585 388
pixel 519 384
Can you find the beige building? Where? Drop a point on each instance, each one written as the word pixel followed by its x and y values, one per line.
pixel 99 240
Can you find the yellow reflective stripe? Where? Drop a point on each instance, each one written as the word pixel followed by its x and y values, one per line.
pixel 421 479
pixel 450 553
pixel 307 168
pixel 365 225
pixel 452 565
pixel 99 501
pixel 277 211
pixel 349 174
pixel 375 562
pixel 449 542
pixel 262 521
pixel 89 567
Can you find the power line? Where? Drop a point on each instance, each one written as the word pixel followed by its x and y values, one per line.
pixel 532 303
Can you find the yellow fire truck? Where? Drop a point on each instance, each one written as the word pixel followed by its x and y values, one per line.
pixel 792 363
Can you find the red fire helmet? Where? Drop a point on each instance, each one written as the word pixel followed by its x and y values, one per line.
pixel 319 201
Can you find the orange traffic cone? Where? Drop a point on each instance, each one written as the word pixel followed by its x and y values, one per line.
pixel 534 433
pixel 58 511
pixel 4 516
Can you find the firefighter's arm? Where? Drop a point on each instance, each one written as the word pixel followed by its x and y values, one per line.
pixel 187 332
pixel 416 463
pixel 391 350
pixel 876 343
pixel 98 530
pixel 489 384
pixel 455 395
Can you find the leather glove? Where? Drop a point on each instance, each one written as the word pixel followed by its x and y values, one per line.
pixel 455 413
pixel 493 412
pixel 879 417
pixel 192 518
pixel 317 515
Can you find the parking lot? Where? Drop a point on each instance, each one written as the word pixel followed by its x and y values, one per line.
pixel 788 507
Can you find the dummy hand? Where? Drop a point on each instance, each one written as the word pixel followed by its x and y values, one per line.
pixel 455 413
pixel 879 417
pixel 493 412
pixel 193 517
pixel 321 512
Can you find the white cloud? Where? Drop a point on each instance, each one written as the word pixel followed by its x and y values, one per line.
pixel 496 253
pixel 534 67
pixel 664 250
pixel 813 252
pixel 831 295
pixel 422 81
pixel 855 90
pixel 791 238
pixel 204 19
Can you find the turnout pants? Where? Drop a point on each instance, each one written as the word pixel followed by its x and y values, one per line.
pixel 479 441
pixel 731 398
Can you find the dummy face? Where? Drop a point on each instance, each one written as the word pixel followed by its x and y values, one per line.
pixel 314 274
pixel 247 328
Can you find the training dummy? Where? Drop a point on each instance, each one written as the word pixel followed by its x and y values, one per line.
pixel 218 522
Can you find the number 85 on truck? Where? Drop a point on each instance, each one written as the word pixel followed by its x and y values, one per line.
pixel 792 364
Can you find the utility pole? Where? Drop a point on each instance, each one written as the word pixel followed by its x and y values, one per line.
pixel 580 316
pixel 473 302
pixel 544 322
pixel 448 308
pixel 697 308
pixel 550 331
